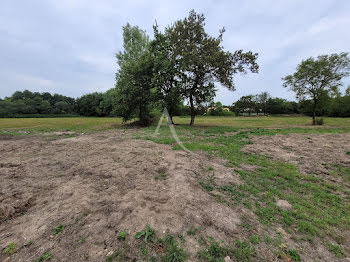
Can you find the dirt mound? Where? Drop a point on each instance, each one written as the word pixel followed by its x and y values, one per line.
pixel 94 186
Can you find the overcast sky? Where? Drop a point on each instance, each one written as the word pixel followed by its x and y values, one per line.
pixel 68 46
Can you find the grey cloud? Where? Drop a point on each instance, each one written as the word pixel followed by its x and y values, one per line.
pixel 69 46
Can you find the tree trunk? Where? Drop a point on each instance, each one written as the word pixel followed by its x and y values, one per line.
pixel 314 113
pixel 192 111
pixel 170 120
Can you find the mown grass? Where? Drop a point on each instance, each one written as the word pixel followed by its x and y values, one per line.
pixel 92 124
pixel 320 210
pixel 260 121
pixel 72 124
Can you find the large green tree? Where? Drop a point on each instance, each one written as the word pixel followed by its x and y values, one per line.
pixel 134 77
pixel 315 77
pixel 201 60
pixel 165 72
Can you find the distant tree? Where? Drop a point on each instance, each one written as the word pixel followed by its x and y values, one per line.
pixel 347 91
pixel 108 100
pixel 90 104
pixel 134 77
pixel 62 107
pixel 245 104
pixel 315 77
pixel 201 61
pixel 261 100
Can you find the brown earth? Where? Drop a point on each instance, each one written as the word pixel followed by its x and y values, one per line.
pixel 312 154
pixel 98 185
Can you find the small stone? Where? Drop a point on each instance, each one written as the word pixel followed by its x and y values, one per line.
pixel 110 253
pixel 6 259
pixel 283 204
pixel 228 259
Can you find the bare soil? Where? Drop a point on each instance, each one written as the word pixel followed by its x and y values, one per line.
pixel 311 153
pixel 98 185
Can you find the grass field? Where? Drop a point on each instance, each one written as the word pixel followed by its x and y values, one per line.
pixel 90 124
pixel 318 221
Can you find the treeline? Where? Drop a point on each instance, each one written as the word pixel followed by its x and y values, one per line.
pixel 264 104
pixel 28 103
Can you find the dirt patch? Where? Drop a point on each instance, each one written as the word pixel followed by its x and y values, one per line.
pixel 98 185
pixel 311 153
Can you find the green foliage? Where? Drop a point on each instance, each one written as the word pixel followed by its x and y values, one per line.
pixel 58 229
pixel 294 255
pixel 201 60
pixel 162 176
pixel 10 249
pixel 90 105
pixel 148 233
pixel 122 235
pixel 45 257
pixel 337 250
pixel 314 78
pixel 134 89
pixel 216 252
pixel 173 253
pixel 193 230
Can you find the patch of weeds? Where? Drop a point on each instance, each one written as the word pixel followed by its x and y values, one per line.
pixel 294 255
pixel 242 251
pixel 162 176
pixel 182 238
pixel 193 230
pixel 348 152
pixel 337 250
pixel 58 229
pixel 148 233
pixel 246 226
pixel 217 251
pixel 111 257
pixel 122 235
pixel 45 257
pixel 173 253
pixel 255 239
pixel 10 249
pixel 208 183
pixel 210 168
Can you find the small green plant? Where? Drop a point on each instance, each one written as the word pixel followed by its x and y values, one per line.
pixel 122 235
pixel 81 240
pixel 148 233
pixel 173 253
pixel 294 255
pixel 193 230
pixel 30 242
pixel 255 239
pixel 58 229
pixel 161 176
pixel 337 250
pixel 10 249
pixel 110 258
pixel 45 257
pixel 210 168
pixel 348 152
